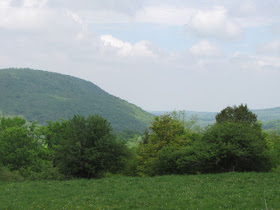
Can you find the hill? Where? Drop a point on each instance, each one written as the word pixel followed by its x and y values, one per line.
pixel 270 118
pixel 203 118
pixel 45 96
pixel 268 114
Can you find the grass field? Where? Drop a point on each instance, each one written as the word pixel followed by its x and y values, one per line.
pixel 224 191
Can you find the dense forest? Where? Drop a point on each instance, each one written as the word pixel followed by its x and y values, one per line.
pixel 87 147
pixel 44 96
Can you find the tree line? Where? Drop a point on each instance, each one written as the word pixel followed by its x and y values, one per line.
pixel 88 147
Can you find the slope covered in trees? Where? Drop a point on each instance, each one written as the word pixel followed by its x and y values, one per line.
pixel 44 96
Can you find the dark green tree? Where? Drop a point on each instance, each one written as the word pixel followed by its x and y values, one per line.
pixel 237 142
pixel 88 149
pixel 237 114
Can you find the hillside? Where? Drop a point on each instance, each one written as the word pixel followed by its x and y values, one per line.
pixel 203 118
pixel 45 96
pixel 270 118
pixel 268 114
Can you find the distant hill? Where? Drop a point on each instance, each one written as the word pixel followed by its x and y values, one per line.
pixel 270 118
pixel 268 114
pixel 45 96
pixel 203 118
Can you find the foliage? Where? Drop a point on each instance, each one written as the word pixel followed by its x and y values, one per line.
pixel 17 148
pixel 44 96
pixel 236 147
pixel 240 114
pixel 132 138
pixel 9 176
pixel 163 147
pixel 80 147
pixel 23 151
pixel 237 142
pixel 88 148
pixel 273 143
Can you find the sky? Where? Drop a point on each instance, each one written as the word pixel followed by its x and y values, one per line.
pixel 160 55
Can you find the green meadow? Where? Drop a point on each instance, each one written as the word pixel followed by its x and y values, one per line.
pixel 214 191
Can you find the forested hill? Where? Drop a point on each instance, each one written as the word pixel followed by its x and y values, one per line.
pixel 263 114
pixel 45 96
pixel 270 118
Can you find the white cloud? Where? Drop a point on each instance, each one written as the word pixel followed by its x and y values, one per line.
pixel 22 18
pixel 163 14
pixel 31 15
pixel 205 49
pixel 214 23
pixel 35 18
pixel 78 20
pixel 121 48
pixel 255 63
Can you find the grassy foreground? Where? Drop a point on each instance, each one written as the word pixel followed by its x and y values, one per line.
pixel 225 191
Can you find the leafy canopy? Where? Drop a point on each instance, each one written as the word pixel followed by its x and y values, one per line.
pixel 87 147
pixel 168 142
pixel 236 141
pixel 240 114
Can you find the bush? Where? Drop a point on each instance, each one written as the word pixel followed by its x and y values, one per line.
pixel 46 172
pixel 9 176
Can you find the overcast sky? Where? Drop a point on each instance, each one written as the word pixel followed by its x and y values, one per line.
pixel 198 55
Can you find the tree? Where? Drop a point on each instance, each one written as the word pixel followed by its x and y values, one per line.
pixel 237 142
pixel 158 153
pixel 240 114
pixel 165 130
pixel 17 143
pixel 87 148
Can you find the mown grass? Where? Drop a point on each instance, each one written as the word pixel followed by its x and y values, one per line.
pixel 224 191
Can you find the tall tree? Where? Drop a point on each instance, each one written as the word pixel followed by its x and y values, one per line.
pixel 237 114
pixel 87 148
pixel 168 136
pixel 237 141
